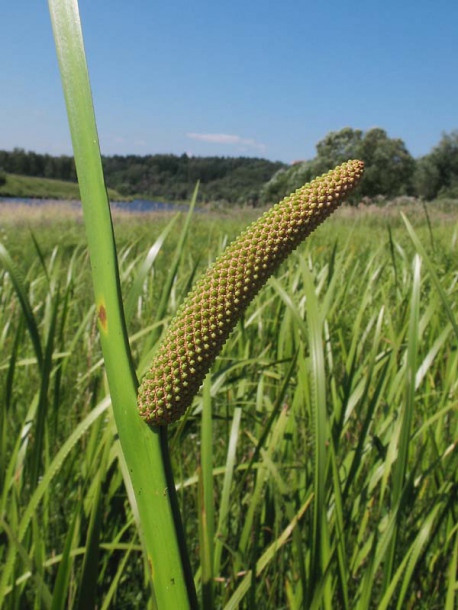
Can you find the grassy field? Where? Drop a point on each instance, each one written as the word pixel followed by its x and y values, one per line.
pixel 334 417
pixel 44 188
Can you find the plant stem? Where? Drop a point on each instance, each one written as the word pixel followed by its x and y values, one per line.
pixel 143 447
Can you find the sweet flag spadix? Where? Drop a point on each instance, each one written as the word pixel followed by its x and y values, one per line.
pixel 209 313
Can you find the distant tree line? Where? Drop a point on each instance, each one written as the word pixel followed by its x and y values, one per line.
pixel 391 171
pixel 224 179
pixel 28 163
pixel 164 177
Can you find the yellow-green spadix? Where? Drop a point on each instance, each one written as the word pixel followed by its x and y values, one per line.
pixel 215 304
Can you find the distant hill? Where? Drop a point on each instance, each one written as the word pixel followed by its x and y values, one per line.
pixel 13 185
pixel 160 177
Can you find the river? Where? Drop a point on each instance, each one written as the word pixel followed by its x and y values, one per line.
pixel 137 205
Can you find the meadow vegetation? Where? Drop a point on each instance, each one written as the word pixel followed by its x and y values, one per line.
pixel 333 445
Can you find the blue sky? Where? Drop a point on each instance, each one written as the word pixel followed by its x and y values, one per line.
pixel 246 77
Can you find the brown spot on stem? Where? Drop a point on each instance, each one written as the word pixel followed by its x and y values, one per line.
pixel 102 315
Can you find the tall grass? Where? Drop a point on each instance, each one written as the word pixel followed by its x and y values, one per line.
pixel 317 468
pixel 290 531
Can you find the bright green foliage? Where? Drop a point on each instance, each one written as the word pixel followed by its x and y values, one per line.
pixel 219 299
pixel 264 445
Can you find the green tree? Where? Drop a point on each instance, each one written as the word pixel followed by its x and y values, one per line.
pixel 437 173
pixel 337 147
pixel 19 163
pixel 389 165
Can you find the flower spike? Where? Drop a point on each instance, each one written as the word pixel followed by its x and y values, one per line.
pixel 211 310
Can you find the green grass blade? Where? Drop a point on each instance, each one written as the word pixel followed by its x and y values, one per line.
pixel 46 371
pixel 109 602
pixel 142 447
pixel 225 506
pixel 21 292
pixel 144 269
pixel 43 486
pixel 432 271
pixel 42 591
pixel 320 549
pixel 172 270
pixel 90 569
pixel 268 556
pixel 407 566
pixel 415 553
pixel 206 501
pixel 340 536
pixel 61 585
pixel 400 466
pixel 452 584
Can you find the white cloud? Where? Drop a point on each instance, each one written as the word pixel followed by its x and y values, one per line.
pixel 225 138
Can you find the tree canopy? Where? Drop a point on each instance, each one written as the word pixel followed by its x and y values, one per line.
pixel 436 174
pixel 389 166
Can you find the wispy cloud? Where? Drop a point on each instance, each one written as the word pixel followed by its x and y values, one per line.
pixel 225 138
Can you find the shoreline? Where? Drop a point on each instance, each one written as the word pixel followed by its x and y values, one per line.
pixel 55 210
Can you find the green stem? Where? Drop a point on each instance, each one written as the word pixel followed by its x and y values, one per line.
pixel 144 449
